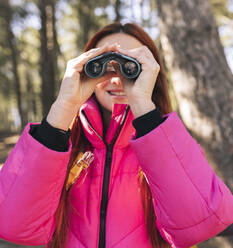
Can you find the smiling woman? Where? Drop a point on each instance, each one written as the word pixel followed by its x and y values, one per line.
pixel 111 91
pixel 111 165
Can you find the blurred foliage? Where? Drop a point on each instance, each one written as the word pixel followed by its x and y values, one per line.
pixel 224 19
pixel 221 11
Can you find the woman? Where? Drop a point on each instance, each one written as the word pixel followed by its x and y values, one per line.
pixel 149 184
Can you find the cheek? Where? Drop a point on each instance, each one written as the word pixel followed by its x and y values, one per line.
pixel 100 88
pixel 101 94
pixel 102 85
pixel 100 91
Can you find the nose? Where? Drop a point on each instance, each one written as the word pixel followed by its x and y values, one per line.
pixel 111 67
pixel 116 81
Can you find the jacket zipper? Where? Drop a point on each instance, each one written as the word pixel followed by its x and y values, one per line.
pixel 106 178
pixel 104 198
pixel 105 187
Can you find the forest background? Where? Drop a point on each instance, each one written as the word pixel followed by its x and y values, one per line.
pixel 195 41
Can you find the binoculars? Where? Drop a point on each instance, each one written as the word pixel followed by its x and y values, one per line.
pixel 129 67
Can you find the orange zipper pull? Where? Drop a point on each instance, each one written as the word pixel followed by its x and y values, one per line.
pixel 82 162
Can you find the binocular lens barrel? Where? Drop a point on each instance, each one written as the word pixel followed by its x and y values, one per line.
pixel 95 68
pixel 130 68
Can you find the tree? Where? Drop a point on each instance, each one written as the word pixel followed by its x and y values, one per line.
pixel 87 21
pixel 7 17
pixel 202 80
pixel 49 52
pixel 117 8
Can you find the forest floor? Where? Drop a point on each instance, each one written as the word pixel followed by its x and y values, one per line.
pixel 7 142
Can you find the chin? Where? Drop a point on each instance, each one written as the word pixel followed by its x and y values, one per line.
pixel 121 101
pixel 107 106
pixel 107 102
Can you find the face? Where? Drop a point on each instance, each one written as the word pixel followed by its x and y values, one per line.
pixel 111 91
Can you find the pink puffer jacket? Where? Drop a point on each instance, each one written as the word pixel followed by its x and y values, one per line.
pixel 191 203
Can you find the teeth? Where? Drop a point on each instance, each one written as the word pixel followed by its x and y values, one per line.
pixel 119 93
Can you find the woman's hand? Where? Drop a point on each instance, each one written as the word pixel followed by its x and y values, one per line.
pixel 139 93
pixel 75 88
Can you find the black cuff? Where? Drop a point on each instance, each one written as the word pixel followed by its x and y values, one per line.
pixel 147 122
pixel 227 232
pixel 51 137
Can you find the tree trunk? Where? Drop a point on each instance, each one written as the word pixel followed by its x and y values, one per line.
pixel 31 98
pixel 202 80
pixel 48 61
pixel 84 13
pixel 87 20
pixel 6 13
pixel 117 8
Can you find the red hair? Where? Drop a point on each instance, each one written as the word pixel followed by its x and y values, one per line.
pixel 161 99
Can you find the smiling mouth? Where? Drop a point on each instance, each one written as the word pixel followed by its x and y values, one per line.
pixel 117 93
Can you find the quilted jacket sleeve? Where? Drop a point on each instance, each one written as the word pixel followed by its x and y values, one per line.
pixel 191 203
pixel 30 186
